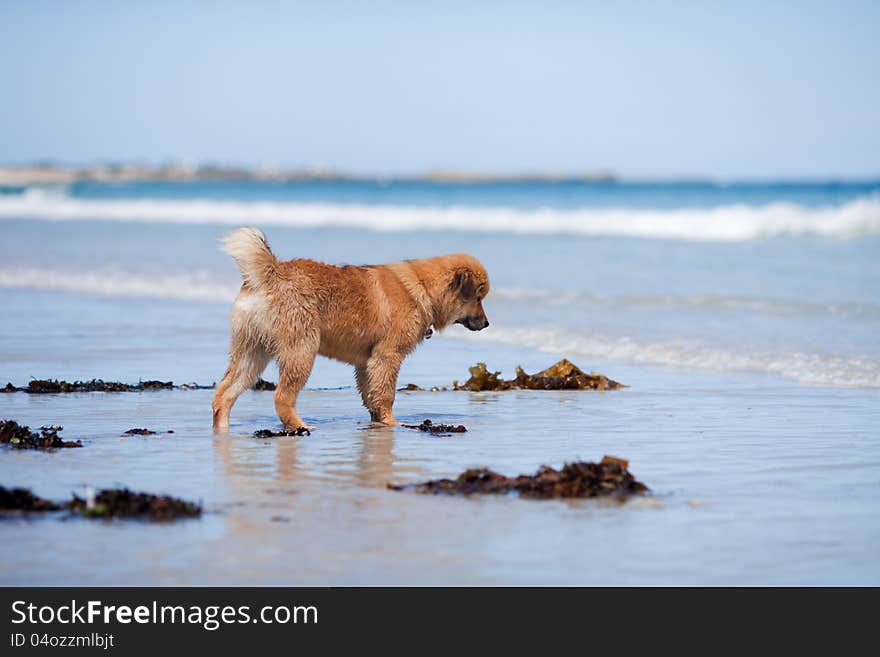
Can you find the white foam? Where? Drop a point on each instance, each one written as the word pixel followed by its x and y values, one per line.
pixel 187 286
pixel 815 369
pixel 668 302
pixel 725 223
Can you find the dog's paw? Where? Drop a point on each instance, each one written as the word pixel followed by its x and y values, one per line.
pixel 303 427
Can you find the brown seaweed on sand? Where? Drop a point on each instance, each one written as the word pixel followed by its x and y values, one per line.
pixel 268 433
pixel 608 478
pixel 21 437
pixel 123 503
pixel 55 386
pixel 144 432
pixel 262 384
pixel 48 386
pixel 21 499
pixel 563 375
pixel 139 432
pixel 109 503
pixel 437 429
pixel 412 387
pixel 154 385
pixel 483 379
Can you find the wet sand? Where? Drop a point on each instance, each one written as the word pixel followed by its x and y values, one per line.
pixel 741 492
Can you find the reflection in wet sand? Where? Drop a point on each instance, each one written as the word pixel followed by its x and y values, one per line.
pixel 375 463
pixel 276 481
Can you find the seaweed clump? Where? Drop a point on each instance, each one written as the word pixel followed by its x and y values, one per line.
pixel 262 384
pixel 49 386
pixel 268 433
pixel 123 503
pixel 413 387
pixel 21 437
pixel 21 499
pixel 437 429
pixel 563 375
pixel 109 503
pixel 154 385
pixel 608 478
pixel 483 379
pixel 139 432
pixel 195 386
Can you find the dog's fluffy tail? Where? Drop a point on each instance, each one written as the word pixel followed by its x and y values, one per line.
pixel 251 252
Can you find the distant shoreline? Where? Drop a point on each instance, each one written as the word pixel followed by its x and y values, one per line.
pixel 59 174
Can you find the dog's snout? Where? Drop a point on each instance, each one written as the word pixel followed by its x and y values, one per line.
pixel 476 323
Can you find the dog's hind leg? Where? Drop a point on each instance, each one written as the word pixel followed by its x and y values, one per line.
pixel 248 353
pixel 247 362
pixel 294 366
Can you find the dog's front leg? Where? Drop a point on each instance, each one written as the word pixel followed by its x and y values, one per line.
pixel 363 386
pixel 381 384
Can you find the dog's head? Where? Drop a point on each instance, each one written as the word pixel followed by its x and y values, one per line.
pixel 468 286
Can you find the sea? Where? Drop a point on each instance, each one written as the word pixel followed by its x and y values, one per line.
pixel 744 319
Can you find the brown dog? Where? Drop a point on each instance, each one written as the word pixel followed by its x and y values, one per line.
pixel 371 317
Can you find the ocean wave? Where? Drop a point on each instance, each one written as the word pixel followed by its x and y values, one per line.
pixel 677 302
pixel 202 286
pixel 731 223
pixel 805 368
pixel 189 286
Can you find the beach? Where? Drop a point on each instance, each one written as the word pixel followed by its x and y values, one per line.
pixel 742 318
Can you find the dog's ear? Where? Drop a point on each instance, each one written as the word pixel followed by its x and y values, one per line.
pixel 463 281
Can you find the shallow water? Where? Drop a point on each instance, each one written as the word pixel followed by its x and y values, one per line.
pixel 751 484
pixel 752 412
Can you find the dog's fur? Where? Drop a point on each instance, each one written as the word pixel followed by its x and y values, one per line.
pixel 371 317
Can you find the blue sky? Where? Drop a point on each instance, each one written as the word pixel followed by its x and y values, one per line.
pixel 642 89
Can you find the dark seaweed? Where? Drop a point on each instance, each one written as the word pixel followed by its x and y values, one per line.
pixel 123 503
pixel 144 432
pixel 412 387
pixel 155 385
pixel 437 429
pixel 48 386
pixel 262 384
pixel 21 499
pixel 21 437
pixel 268 433
pixel 55 386
pixel 610 477
pixel 110 503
